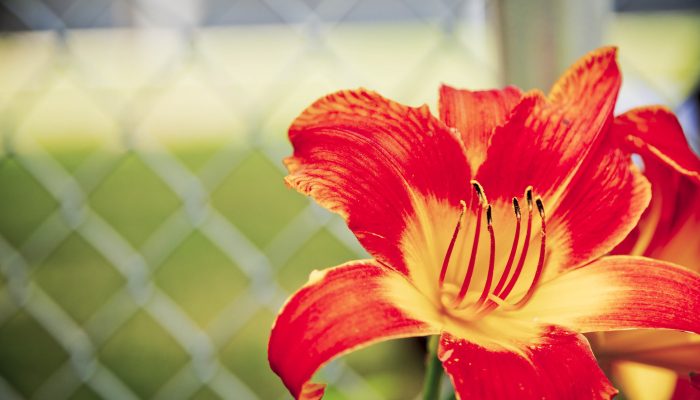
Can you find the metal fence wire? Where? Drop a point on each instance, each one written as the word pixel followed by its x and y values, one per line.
pixel 146 237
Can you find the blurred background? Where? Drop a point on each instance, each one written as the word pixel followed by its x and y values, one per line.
pixel 147 239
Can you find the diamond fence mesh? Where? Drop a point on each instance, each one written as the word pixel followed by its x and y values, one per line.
pixel 146 236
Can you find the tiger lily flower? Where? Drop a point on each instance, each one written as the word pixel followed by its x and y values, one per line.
pixel 489 227
pixel 655 364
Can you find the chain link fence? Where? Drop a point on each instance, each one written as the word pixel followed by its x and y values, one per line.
pixel 146 237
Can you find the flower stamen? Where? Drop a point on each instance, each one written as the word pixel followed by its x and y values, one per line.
pixel 448 254
pixel 475 244
pixel 492 258
pixel 523 253
pixel 540 260
pixel 513 248
pixel 493 297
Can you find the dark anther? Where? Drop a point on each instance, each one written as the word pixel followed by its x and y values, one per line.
pixel 540 207
pixel 479 191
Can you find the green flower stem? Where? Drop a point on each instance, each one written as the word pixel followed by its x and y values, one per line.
pixel 433 372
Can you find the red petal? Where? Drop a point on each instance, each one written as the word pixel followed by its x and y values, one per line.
pixel 675 234
pixel 367 158
pixel 560 366
pixel 475 114
pixel 687 389
pixel 620 292
pixel 654 132
pixel 341 309
pixel 545 141
pixel 668 229
pixel 603 203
